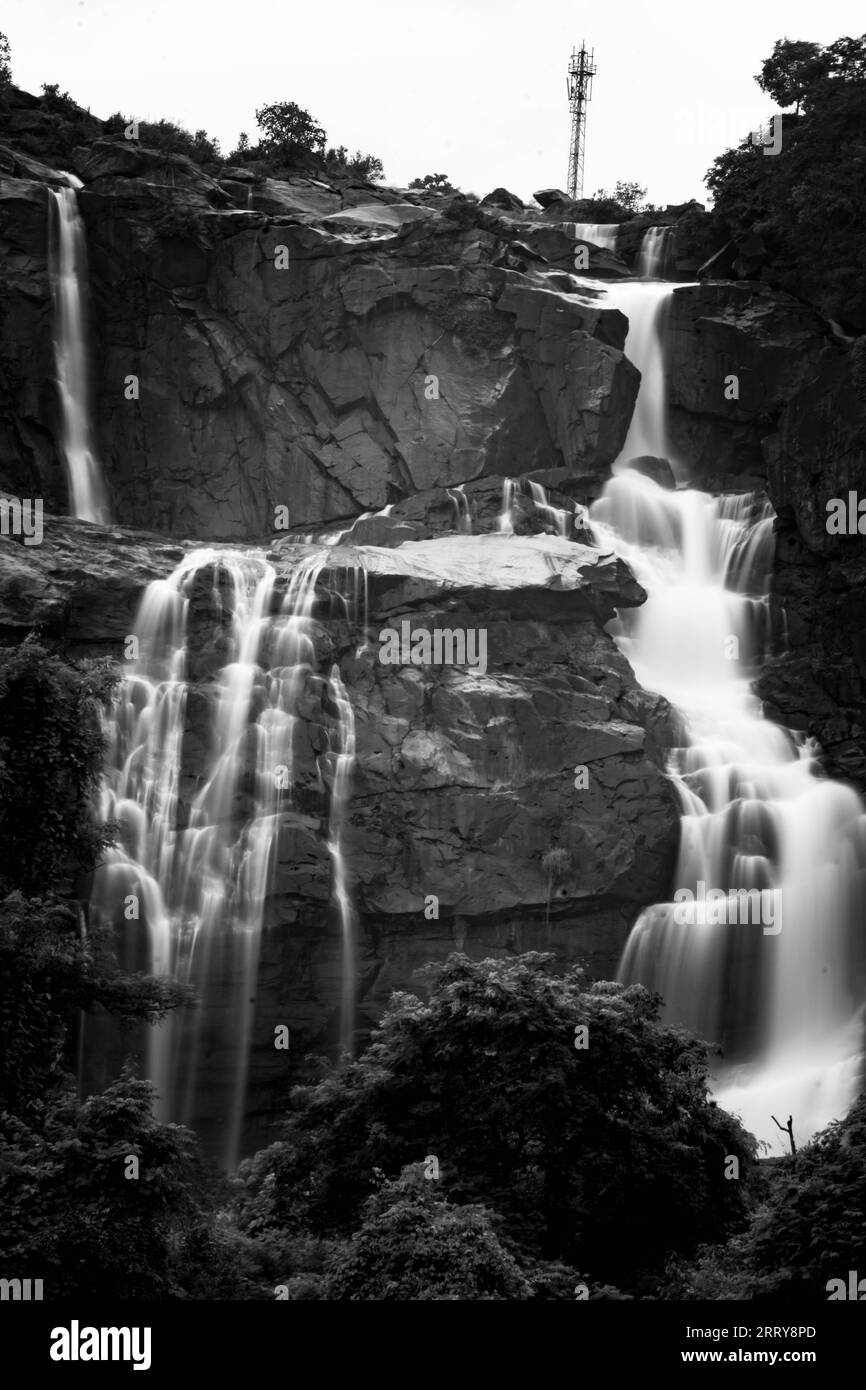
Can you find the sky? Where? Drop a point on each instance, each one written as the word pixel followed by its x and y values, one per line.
pixel 475 89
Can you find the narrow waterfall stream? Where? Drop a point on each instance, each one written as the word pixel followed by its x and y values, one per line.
pixel 761 952
pixel 68 266
pixel 197 854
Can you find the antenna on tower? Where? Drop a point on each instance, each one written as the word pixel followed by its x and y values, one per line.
pixel 581 71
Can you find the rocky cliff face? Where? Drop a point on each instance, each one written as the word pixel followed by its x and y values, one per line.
pixel 295 352
pixel 355 355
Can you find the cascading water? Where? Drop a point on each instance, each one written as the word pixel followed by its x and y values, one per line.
pixel 652 257
pixel 645 304
pixel 463 517
pixel 68 270
pixel 781 991
pixel 599 233
pixel 556 517
pixel 202 865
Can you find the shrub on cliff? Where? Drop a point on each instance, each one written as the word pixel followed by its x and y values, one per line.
pixel 807 203
pixel 168 136
pixel 568 1109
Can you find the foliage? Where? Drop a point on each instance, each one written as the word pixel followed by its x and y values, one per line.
pixel 629 196
pixel 69 1214
pixel 169 137
pixel 59 102
pixel 5 62
pixel 288 131
pixel 414 1245
pixel 626 200
pixel 435 183
pixel 49 971
pixel 790 70
pixel 360 166
pixel 242 151
pixel 606 1158
pixel 51 748
pixel 807 204
pixel 809 1228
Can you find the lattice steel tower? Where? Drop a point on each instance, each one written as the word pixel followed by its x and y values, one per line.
pixel 581 71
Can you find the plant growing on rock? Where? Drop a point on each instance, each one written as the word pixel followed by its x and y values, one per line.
pixel 435 183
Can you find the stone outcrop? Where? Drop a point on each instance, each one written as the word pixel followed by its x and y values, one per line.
pixel 464 778
pixel 261 344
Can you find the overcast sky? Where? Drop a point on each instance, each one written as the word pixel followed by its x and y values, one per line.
pixel 471 88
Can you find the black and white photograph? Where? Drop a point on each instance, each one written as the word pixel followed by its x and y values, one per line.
pixel 432 673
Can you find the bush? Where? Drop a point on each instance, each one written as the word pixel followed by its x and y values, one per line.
pixel 605 1159
pixel 413 1245
pixel 51 752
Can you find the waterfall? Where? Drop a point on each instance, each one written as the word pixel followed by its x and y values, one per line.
pixel 505 521
pixel 463 516
pixel 558 518
pixel 201 863
pixel 653 253
pixel 761 951
pixel 599 233
pixel 645 305
pixel 68 272
pixel 344 761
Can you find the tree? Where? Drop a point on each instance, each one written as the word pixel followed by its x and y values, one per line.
pixel 435 183
pixel 599 1148
pixel 791 69
pixel 629 196
pixel 5 62
pixel 812 194
pixel 366 166
pixel 71 1211
pixel 288 130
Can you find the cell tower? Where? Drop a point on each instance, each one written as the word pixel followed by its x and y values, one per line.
pixel 581 71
